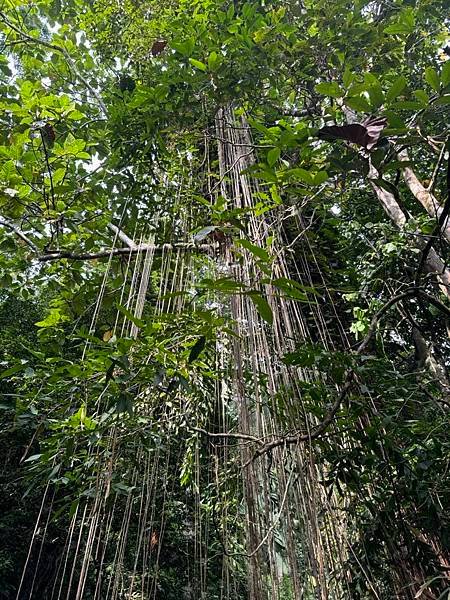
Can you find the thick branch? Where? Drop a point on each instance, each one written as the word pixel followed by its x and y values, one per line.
pixel 122 236
pixel 425 197
pixel 443 218
pixel 432 262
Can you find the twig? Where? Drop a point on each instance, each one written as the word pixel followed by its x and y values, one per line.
pixel 182 246
pixel 237 436
pixel 19 233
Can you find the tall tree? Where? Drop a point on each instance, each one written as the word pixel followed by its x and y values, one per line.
pixel 234 218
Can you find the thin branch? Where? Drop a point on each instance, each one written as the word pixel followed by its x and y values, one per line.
pixel 237 436
pixel 19 233
pixel 182 246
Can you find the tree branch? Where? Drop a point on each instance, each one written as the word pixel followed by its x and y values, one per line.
pixel 432 262
pixel 19 233
pixel 425 197
pixel 443 218
pixel 182 246
pixel 122 236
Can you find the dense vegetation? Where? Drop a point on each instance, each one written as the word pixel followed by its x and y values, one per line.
pixel 225 303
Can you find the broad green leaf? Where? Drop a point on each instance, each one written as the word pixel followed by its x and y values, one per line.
pixel 407 105
pixel 58 175
pixel 396 88
pixel 432 78
pixel 320 177
pixel 443 100
pixel 255 250
pixel 398 29
pixel 329 89
pixel 301 175
pixel 12 370
pixel 213 61
pixel 262 306
pixel 422 96
pixel 348 77
pixel 186 48
pixel 75 115
pixel 358 103
pixel 405 24
pixel 445 74
pixel 273 156
pixel 129 315
pixel 198 64
pixel 54 317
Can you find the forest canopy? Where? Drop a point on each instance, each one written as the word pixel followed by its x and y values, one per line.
pixel 225 300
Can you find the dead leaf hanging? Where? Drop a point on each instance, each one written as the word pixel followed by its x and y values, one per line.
pixel 365 134
pixel 158 47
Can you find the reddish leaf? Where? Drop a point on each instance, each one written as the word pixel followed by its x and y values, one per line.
pixel 49 133
pixel 158 47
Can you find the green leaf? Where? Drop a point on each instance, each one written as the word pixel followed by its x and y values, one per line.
pixel 186 48
pixel 422 96
pixel 224 284
pixel 299 174
pixel 12 370
pixel 198 64
pixel 329 89
pixel 347 77
pixel 396 88
pixel 75 115
pixel 386 185
pixel 398 29
pixel 376 95
pixel 262 306
pixel 273 156
pixel 213 61
pixel 443 100
pixel 445 74
pixel 432 78
pixel 358 103
pixel 255 250
pixel 405 24
pixel 58 175
pixel 53 318
pixel 291 288
pixel 407 105
pixel 129 315
pixel 197 349
pixel 320 177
